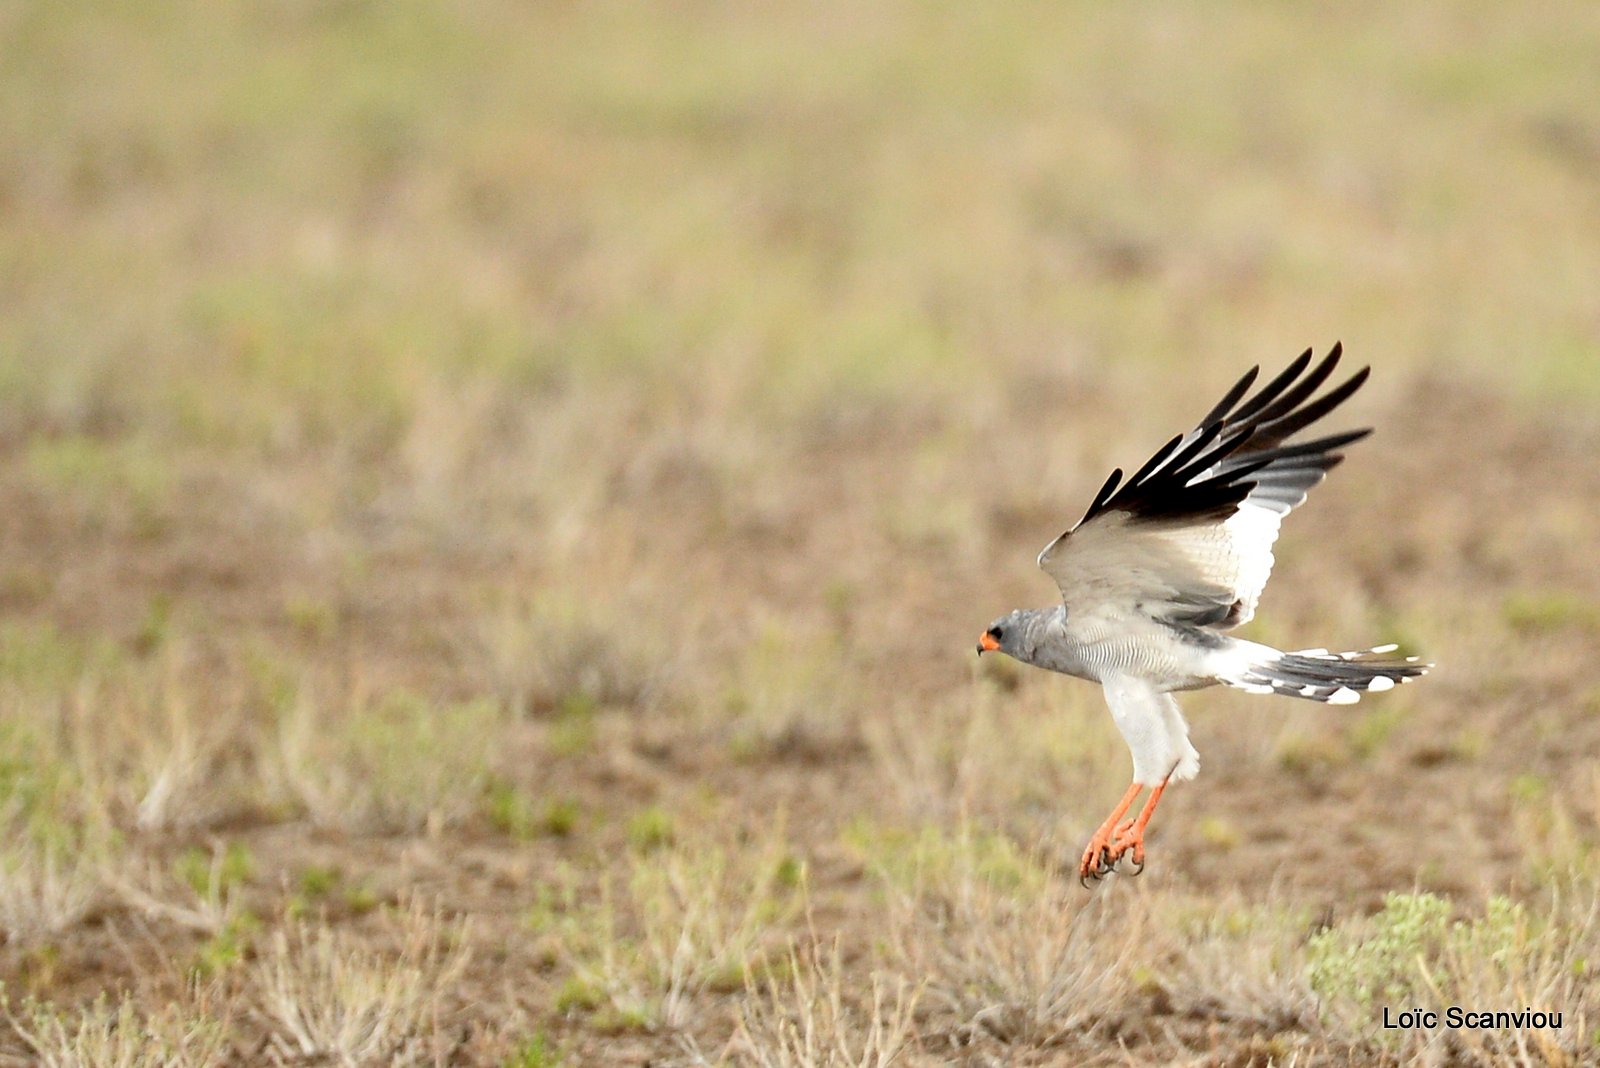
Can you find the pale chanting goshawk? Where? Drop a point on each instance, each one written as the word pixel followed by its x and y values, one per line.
pixel 1164 564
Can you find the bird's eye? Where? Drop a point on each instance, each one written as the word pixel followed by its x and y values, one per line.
pixel 996 633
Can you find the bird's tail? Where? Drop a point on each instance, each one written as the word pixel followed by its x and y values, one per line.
pixel 1318 675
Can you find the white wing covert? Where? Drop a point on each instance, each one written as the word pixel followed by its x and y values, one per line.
pixel 1188 539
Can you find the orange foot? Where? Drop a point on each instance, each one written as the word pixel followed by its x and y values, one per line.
pixel 1111 843
pixel 1097 859
pixel 1101 854
pixel 1129 839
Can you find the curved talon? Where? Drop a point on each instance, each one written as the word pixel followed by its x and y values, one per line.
pixel 1131 847
pixel 1096 867
pixel 1102 863
pixel 1100 856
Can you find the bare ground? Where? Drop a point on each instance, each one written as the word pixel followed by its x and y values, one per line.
pixel 1458 530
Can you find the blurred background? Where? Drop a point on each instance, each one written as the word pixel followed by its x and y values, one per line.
pixel 463 462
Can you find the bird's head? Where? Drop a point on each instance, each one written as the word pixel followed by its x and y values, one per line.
pixel 1005 635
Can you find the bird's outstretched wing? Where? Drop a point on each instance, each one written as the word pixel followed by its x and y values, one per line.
pixel 1188 539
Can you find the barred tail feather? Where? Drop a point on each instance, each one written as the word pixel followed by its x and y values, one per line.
pixel 1333 678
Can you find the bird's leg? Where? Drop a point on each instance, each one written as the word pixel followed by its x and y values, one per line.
pixel 1099 855
pixel 1131 836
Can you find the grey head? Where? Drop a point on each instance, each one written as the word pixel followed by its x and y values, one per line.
pixel 1016 633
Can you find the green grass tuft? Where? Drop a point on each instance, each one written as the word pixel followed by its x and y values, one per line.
pixel 651 829
pixel 535 1052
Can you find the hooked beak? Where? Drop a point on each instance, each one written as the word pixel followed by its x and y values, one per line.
pixel 987 644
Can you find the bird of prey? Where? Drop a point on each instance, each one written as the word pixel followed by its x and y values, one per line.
pixel 1164 564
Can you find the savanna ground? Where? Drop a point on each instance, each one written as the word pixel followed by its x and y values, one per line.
pixel 497 502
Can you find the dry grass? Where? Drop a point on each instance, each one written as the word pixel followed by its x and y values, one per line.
pixel 808 1018
pixel 202 891
pixel 395 763
pixel 1014 954
pixel 104 1035
pixel 556 461
pixel 546 657
pixel 1001 750
pixel 325 997
pixel 46 888
pixel 682 922
pixel 1240 964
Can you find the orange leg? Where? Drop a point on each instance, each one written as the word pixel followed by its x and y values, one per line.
pixel 1098 855
pixel 1132 835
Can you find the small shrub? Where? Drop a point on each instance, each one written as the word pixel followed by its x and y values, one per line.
pixel 684 923
pixel 1015 955
pixel 544 655
pixel 1414 952
pixel 120 1035
pixel 397 764
pixel 798 1016
pixel 46 888
pixel 326 997
pixel 1379 966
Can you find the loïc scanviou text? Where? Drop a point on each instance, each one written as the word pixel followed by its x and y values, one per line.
pixel 1474 1019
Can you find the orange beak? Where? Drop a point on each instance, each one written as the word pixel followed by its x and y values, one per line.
pixel 987 644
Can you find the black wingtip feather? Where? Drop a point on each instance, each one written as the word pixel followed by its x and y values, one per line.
pixel 1211 475
pixel 1195 447
pixel 1107 488
pixel 1230 398
pixel 1319 445
pixel 1304 388
pixel 1155 461
pixel 1269 392
pixel 1287 425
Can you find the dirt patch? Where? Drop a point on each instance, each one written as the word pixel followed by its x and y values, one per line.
pixel 1456 530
